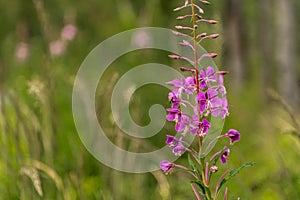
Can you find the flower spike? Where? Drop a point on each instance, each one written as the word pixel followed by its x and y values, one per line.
pixel 195 100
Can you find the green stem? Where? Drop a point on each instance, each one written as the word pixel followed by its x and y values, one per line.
pixel 200 138
pixel 208 193
pixel 196 65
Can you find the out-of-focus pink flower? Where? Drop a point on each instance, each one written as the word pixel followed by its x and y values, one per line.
pixel 57 47
pixel 141 39
pixel 68 32
pixel 22 51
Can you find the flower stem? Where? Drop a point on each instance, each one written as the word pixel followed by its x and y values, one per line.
pixel 196 65
pixel 195 45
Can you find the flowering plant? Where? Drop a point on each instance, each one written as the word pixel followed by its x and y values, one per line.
pixel 204 93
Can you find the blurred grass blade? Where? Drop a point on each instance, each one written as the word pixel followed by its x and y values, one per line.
pixel 51 173
pixel 33 174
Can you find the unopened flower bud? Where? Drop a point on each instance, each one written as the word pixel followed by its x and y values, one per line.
pixel 213 169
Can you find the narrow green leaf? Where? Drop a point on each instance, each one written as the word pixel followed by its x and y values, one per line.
pixel 201 186
pixel 193 166
pixel 191 163
pixel 234 172
pixel 221 182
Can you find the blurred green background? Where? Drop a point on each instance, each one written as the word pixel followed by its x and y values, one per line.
pixel 42 46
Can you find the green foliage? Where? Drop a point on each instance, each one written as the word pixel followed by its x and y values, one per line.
pixel 234 172
pixel 194 167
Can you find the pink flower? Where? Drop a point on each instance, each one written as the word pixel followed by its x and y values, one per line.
pixel 224 156
pixel 22 51
pixel 57 47
pixel 68 32
pixel 233 135
pixel 166 166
